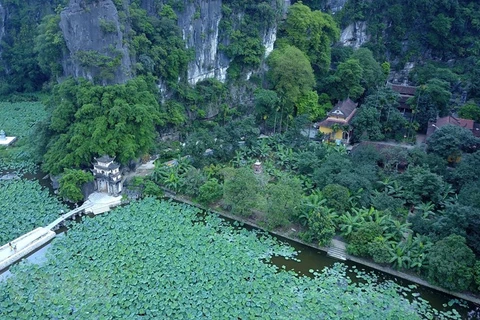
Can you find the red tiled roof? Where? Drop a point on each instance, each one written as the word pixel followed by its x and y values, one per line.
pixel 403 90
pixel 466 123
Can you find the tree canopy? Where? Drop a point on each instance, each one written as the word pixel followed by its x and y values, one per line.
pixel 313 32
pixel 89 120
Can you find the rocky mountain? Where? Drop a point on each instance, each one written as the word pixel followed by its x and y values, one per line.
pixel 92 31
pixel 98 35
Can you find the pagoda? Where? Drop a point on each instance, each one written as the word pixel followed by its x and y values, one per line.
pixel 108 178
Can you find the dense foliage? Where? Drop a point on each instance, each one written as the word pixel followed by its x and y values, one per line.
pixel 71 183
pixel 391 204
pixel 148 259
pixel 21 68
pixel 24 206
pixel 89 120
pixel 397 205
pixel 445 29
pixel 156 41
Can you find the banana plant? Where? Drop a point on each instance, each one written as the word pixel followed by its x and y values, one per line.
pixel 400 258
pixel 397 229
pixel 349 223
pixel 426 209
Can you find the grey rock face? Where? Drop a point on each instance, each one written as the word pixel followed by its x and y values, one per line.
pixel 355 34
pixel 199 24
pixel 93 36
pixel 335 5
pixel 200 29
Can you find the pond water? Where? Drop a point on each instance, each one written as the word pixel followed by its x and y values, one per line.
pixel 309 258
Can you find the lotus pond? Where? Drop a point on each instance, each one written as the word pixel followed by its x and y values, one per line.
pixel 19 119
pixel 158 260
pixel 24 206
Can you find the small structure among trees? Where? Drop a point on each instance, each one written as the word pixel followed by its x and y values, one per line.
pixel 405 93
pixel 4 140
pixel 465 123
pixel 337 126
pixel 107 175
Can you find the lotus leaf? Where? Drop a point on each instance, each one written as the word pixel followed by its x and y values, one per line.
pixel 24 206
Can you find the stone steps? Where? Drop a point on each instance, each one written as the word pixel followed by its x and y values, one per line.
pixel 337 253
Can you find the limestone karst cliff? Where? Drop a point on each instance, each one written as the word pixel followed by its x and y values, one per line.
pixel 96 46
pixel 94 52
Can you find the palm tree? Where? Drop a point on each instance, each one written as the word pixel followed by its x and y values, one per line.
pixel 314 201
pixel 420 245
pixel 391 187
pixel 448 195
pixel 263 150
pixel 353 200
pixel 183 164
pixel 284 156
pixel 335 128
pixel 307 183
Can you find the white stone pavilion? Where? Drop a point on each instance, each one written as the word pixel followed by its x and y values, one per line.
pixel 108 178
pixel 6 141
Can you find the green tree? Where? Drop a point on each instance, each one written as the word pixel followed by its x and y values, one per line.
pixel 158 44
pixel 321 226
pixel 373 75
pixel 366 124
pixel 385 100
pixel 191 181
pixel 380 249
pixel 282 201
pixel 266 104
pixel 310 106
pixel 292 77
pixel 50 45
pixel 210 192
pixel 468 170
pixel 469 194
pixel 470 111
pixel 421 185
pixel 90 120
pixel 360 241
pixel 241 190
pixel 431 100
pixel 450 263
pixel 71 183
pixel 337 197
pixel 152 189
pixel 345 82
pixel 313 32
pixel 450 141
